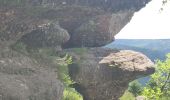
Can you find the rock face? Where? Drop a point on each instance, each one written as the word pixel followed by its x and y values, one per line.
pixel 104 74
pixel 51 35
pixel 23 78
pixel 101 74
pixel 93 23
pixel 100 30
pixel 14 24
pixel 112 5
pixel 90 23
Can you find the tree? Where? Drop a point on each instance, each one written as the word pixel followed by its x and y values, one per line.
pixel 164 2
pixel 135 88
pixel 159 84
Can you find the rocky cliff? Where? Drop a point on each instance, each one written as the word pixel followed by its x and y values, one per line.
pixel 104 74
pixel 28 27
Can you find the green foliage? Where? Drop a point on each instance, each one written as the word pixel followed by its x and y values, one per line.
pixel 152 94
pixel 68 59
pixel 159 85
pixel 71 94
pixel 63 70
pixel 135 88
pixel 127 96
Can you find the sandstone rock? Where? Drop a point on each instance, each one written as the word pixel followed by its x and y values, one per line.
pixel 14 24
pixel 104 74
pixel 101 74
pixel 90 23
pixel 112 5
pixel 100 30
pixel 51 35
pixel 23 78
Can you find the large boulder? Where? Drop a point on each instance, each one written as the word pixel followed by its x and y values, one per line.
pixel 100 30
pixel 90 23
pixel 100 74
pixel 51 35
pixel 14 24
pixel 23 78
pixel 104 74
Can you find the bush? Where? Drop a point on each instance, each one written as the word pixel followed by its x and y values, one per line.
pixel 127 96
pixel 71 94
pixel 158 88
pixel 135 88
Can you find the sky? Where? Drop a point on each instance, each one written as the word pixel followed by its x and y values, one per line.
pixel 148 23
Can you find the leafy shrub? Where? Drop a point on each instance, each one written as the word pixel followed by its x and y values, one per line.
pixel 159 85
pixel 71 94
pixel 127 96
pixel 135 88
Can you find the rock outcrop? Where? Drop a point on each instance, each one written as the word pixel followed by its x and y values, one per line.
pixel 90 23
pixel 100 74
pixel 51 35
pixel 104 74
pixel 14 24
pixel 23 78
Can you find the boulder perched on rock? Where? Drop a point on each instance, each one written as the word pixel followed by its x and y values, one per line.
pixel 23 78
pixel 100 74
pixel 104 74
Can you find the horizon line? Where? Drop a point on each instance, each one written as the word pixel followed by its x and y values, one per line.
pixel 143 38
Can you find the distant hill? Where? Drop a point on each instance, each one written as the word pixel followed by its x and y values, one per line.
pixel 154 49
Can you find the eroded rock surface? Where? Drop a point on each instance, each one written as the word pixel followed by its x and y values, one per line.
pixel 90 23
pixel 104 74
pixel 51 35
pixel 23 78
pixel 101 74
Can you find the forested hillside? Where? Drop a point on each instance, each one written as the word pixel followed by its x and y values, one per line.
pixel 154 49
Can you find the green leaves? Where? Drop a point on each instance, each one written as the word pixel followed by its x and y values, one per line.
pixel 68 59
pixel 63 72
pixel 135 88
pixel 152 94
pixel 159 84
pixel 71 94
